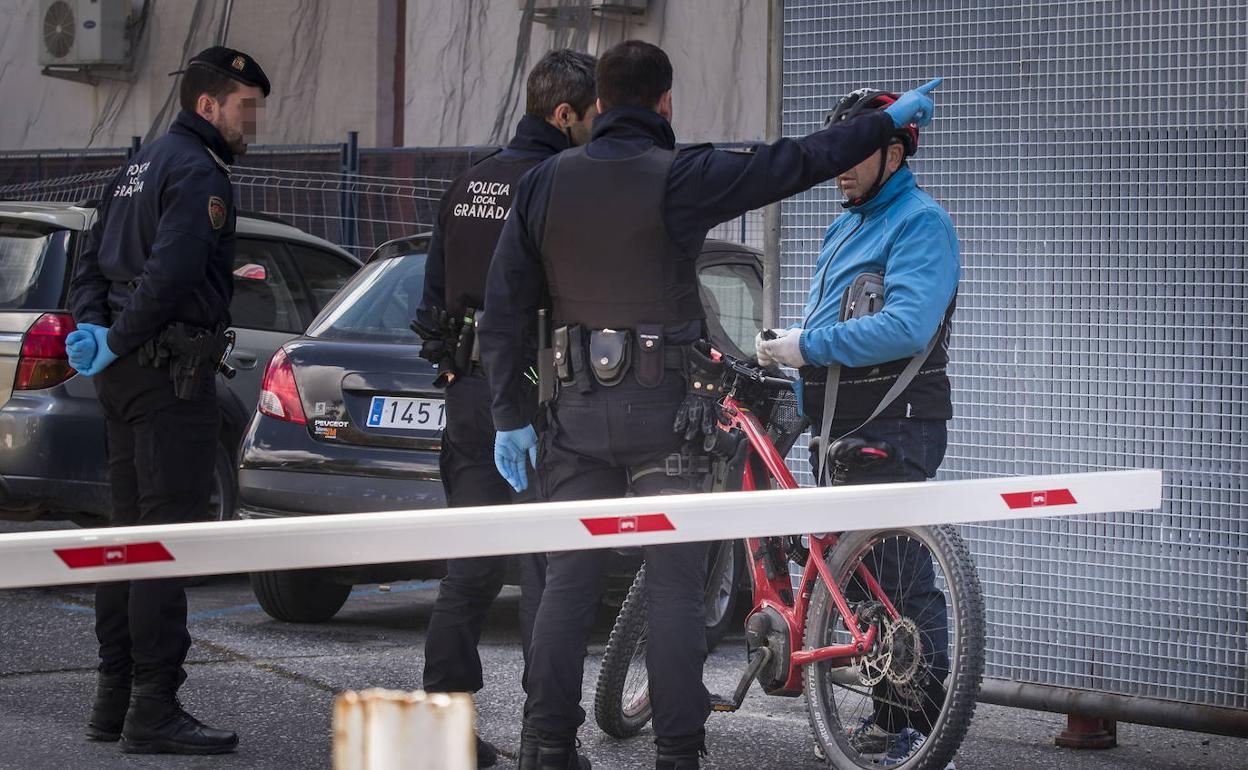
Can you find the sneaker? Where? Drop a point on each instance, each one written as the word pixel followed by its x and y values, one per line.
pixel 869 738
pixel 906 745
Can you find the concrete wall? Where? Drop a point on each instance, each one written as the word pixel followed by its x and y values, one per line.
pixel 324 81
pixel 460 79
pixel 467 63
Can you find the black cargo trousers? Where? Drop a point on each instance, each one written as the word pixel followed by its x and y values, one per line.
pixel 469 476
pixel 587 452
pixel 161 455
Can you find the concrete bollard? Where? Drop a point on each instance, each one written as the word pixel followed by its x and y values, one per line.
pixel 393 730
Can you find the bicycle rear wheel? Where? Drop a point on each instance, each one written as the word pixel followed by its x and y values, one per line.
pixel 908 702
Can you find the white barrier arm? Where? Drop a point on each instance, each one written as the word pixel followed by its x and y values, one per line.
pixel 124 553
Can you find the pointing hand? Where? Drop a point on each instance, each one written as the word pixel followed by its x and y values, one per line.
pixel 914 106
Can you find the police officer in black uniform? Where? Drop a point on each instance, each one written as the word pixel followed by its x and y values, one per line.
pixel 560 110
pixel 151 295
pixel 612 231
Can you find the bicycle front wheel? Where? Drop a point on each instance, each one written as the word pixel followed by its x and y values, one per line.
pixel 622 697
pixel 908 701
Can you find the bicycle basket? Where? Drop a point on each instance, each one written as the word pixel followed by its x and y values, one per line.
pixel 781 420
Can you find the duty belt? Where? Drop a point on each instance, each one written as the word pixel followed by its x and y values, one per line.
pixel 607 355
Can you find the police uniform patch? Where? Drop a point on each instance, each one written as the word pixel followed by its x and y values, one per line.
pixel 239 63
pixel 216 212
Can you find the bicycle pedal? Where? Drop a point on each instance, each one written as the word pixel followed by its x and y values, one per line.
pixel 723 705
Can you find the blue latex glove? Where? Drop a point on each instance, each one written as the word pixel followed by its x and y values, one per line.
pixel 914 106
pixel 510 447
pixel 80 346
pixel 103 353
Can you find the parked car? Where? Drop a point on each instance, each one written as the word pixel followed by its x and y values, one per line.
pixel 52 448
pixel 349 420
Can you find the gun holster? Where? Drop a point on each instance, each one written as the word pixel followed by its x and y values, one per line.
pixel 192 355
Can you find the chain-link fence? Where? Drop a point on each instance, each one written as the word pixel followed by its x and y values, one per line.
pixel 1094 156
pixel 358 200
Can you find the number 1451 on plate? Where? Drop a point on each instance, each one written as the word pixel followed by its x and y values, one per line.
pixel 407 413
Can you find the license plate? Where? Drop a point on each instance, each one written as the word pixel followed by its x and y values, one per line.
pixel 428 414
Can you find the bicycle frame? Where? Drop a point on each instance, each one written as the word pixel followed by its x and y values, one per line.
pixel 773 587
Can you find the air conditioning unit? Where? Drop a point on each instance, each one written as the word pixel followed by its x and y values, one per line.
pixel 542 8
pixel 83 33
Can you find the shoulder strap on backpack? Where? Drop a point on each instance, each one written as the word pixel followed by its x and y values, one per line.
pixel 829 402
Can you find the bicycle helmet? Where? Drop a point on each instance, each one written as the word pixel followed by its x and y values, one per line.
pixel 864 100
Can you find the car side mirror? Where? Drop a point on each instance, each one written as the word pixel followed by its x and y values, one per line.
pixel 251 272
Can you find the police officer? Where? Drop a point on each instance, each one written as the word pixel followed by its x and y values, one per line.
pixel 612 231
pixel 151 295
pixel 560 110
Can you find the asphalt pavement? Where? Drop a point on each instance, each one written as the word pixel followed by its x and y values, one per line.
pixel 275 682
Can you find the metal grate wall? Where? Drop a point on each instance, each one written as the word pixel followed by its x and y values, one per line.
pixel 1094 157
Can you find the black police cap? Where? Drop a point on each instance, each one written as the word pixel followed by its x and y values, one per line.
pixel 233 64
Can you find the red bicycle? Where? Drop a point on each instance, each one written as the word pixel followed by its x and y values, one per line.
pixel 881 630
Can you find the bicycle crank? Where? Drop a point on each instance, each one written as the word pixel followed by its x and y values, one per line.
pixel 758 660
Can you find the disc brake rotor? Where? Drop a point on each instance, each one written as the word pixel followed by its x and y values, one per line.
pixel 895 657
pixel 905 651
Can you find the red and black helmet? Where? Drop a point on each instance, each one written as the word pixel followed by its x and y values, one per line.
pixel 868 100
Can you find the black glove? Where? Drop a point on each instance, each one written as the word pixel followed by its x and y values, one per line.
pixel 433 323
pixel 699 413
pixel 433 350
pixel 436 327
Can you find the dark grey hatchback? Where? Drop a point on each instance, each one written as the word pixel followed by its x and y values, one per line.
pixel 349 420
pixel 348 417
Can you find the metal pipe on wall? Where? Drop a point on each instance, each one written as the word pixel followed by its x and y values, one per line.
pixel 775 129
pixel 1121 708
pixel 224 30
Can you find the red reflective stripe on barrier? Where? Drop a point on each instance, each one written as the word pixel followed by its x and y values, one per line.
pixel 1038 499
pixel 617 525
pixel 111 555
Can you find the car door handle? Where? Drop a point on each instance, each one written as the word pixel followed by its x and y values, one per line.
pixel 244 359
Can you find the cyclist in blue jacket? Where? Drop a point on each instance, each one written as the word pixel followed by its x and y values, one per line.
pixel 894 229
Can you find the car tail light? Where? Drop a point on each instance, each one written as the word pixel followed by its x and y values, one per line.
pixel 43 361
pixel 279 395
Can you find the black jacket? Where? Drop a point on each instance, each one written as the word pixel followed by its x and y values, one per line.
pixel 535 140
pixel 162 246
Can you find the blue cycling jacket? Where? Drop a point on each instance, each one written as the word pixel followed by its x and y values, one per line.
pixel 905 234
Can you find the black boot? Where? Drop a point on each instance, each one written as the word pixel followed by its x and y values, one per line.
pixel 680 753
pixel 157 724
pixel 108 713
pixel 487 755
pixel 550 753
pixel 528 748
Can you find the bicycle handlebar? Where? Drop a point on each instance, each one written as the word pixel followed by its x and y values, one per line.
pixel 754 373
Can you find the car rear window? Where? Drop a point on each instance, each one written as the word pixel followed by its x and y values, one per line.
pixel 32 266
pixel 377 305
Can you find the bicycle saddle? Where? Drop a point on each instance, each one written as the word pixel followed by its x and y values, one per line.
pixel 856 452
